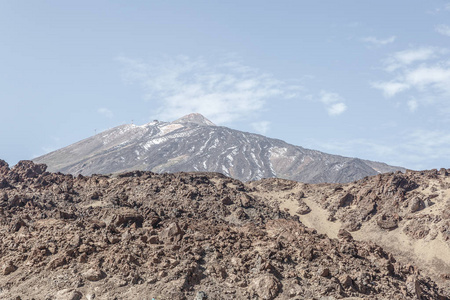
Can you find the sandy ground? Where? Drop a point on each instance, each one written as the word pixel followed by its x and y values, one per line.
pixel 430 254
pixel 317 218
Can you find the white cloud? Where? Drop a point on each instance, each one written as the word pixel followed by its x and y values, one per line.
pixel 333 102
pixel 430 80
pixel 390 89
pixel 379 42
pixel 425 72
pixel 443 29
pixel 261 127
pixel 336 109
pixel 105 112
pixel 407 57
pixel 413 105
pixel 436 76
pixel 223 91
pixel 329 98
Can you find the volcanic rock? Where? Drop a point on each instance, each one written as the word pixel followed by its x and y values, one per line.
pixel 193 143
pixel 8 268
pixel 250 250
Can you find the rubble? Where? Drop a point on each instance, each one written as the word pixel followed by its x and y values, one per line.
pixel 171 236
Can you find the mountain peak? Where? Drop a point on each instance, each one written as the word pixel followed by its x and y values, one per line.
pixel 195 118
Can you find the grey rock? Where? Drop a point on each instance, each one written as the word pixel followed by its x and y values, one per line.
pixel 193 143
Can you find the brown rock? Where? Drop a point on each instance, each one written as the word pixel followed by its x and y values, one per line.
pixel 171 233
pixel 68 294
pixel 66 215
pixel 246 201
pixel 387 221
pixel 303 208
pixel 4 167
pixel 3 183
pixel 27 169
pixel 346 281
pixel 95 195
pixel 153 240
pixel 346 200
pixel 75 241
pixel 86 249
pixel 94 274
pixel 83 258
pixel 266 287
pixel 8 268
pixel 127 217
pixel 57 262
pixel 345 235
pixel 18 224
pixel 416 204
pixel 324 272
pixel 248 250
pixel 352 225
pixel 227 201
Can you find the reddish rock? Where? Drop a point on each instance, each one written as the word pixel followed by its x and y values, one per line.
pixel 168 236
pixel 127 217
pixel 171 233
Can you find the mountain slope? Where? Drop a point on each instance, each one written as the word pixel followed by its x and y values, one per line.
pixel 193 143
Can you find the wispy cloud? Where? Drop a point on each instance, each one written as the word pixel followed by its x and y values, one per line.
pixel 443 29
pixel 333 103
pixel 413 105
pixel 407 57
pixel 424 71
pixel 223 91
pixel 425 79
pixel 261 127
pixel 105 112
pixel 415 149
pixel 440 9
pixel 379 42
pixel 390 88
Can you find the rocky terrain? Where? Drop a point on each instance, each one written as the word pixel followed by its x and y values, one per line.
pixel 193 143
pixel 196 236
pixel 407 214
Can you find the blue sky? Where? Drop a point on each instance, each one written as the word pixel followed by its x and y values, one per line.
pixel 368 79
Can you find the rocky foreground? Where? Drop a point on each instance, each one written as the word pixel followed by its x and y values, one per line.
pixel 142 235
pixel 408 214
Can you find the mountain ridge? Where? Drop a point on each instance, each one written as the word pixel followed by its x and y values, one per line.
pixel 191 143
